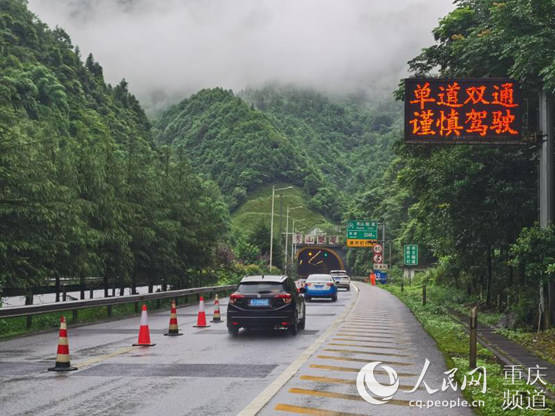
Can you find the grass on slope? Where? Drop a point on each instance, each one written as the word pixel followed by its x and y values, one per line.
pixel 453 342
pixel 258 208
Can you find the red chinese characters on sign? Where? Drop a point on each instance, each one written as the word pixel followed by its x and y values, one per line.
pixel 462 110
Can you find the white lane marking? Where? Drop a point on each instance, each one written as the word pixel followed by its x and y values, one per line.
pixel 266 395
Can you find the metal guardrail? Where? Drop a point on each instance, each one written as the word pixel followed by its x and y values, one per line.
pixel 29 310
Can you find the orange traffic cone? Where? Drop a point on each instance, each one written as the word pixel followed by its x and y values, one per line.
pixel 173 331
pixel 217 316
pixel 62 359
pixel 201 318
pixel 144 332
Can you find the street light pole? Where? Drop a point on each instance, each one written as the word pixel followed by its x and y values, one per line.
pixel 287 235
pixel 292 241
pixel 272 227
pixel 272 221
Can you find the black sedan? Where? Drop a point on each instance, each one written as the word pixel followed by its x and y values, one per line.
pixel 266 302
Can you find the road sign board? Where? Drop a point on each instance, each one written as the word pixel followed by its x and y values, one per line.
pixel 462 110
pixel 362 230
pixel 359 243
pixel 378 258
pixel 410 254
pixel 377 248
pixel 381 276
pixel 381 266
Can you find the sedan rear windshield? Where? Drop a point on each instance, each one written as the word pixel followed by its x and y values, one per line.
pixel 319 278
pixel 253 288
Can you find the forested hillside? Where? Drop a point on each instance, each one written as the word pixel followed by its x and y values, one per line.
pixel 84 191
pixel 287 135
pixel 232 143
pixel 473 209
pixel 349 138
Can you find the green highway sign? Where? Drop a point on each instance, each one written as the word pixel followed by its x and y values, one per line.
pixel 410 256
pixel 362 230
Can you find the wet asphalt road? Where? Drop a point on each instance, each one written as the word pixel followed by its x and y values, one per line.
pixel 207 372
pixel 204 372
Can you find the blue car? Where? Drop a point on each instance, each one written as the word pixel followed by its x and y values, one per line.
pixel 320 286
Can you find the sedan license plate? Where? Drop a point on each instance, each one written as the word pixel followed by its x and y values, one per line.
pixel 259 302
pixel 319 286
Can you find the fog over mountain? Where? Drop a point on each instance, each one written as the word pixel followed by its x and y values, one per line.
pixel 169 49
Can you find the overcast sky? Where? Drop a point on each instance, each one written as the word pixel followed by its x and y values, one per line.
pixel 168 49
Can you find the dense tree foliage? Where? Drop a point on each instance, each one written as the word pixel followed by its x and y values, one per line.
pixel 286 135
pixel 466 205
pixel 84 191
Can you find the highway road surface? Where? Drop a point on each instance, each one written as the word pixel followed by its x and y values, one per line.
pixel 208 372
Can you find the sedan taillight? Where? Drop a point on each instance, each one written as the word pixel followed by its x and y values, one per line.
pixel 286 297
pixel 235 297
pixel 330 284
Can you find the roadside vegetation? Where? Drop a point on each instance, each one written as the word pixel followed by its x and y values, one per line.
pixel 473 210
pixel 453 342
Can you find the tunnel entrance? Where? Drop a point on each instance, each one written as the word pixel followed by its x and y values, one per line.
pixel 317 260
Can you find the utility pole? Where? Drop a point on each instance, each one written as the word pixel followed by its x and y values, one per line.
pixel 272 221
pixel 546 189
pixel 546 160
pixel 285 252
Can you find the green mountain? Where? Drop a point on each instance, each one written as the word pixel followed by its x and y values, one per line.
pixel 349 139
pixel 234 144
pixel 258 207
pixel 330 149
pixel 84 190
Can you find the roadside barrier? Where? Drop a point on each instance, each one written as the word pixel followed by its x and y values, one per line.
pixel 62 357
pixel 144 331
pixel 173 330
pixel 30 310
pixel 201 317
pixel 217 318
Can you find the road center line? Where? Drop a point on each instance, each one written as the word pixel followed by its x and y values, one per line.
pixel 100 358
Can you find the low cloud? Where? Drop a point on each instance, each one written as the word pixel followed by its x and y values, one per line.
pixel 172 48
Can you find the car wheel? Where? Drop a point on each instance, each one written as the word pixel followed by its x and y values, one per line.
pixel 233 331
pixel 307 298
pixel 334 299
pixel 348 288
pixel 303 321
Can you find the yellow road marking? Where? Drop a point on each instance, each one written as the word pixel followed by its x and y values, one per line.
pixel 388 346
pixel 347 381
pixel 100 358
pixel 311 411
pixel 363 326
pixel 266 395
pixel 345 396
pixel 367 352
pixel 355 370
pixel 358 360
pixel 328 379
pixel 370 330
pixel 360 335
pixel 364 340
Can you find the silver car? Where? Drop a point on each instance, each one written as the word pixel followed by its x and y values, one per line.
pixel 341 279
